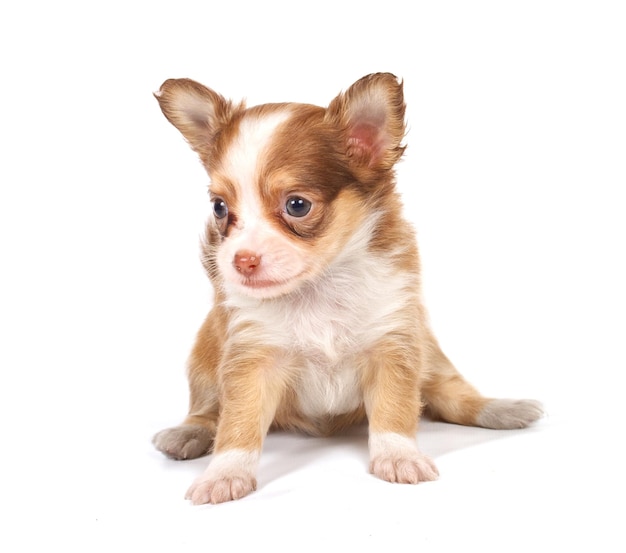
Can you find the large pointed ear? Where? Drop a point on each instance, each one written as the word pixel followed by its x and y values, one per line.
pixel 195 110
pixel 371 113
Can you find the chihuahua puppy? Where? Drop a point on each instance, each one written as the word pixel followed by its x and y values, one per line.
pixel 317 321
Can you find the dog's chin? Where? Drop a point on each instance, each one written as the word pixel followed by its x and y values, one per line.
pixel 264 289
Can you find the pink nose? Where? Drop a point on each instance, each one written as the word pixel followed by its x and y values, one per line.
pixel 246 262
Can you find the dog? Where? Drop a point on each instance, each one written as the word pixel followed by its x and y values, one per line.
pixel 317 321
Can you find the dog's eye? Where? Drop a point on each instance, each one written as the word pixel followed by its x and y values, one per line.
pixel 220 209
pixel 298 207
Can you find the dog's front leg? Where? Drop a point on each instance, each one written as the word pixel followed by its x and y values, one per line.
pixel 252 386
pixel 393 404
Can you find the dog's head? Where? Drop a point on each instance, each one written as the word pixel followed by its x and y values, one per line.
pixel 291 184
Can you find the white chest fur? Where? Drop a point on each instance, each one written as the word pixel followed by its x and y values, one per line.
pixel 328 389
pixel 328 322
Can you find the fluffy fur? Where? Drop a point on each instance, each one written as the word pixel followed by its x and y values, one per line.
pixel 317 321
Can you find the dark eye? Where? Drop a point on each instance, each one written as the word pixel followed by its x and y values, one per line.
pixel 298 207
pixel 220 209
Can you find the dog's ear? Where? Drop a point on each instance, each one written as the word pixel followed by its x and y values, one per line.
pixel 195 110
pixel 371 114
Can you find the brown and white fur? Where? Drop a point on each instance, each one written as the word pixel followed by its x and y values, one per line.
pixel 317 321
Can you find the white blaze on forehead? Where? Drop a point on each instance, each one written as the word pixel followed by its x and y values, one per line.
pixel 252 231
pixel 243 157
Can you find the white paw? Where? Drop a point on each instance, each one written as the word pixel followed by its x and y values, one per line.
pixel 220 490
pixel 229 476
pixel 418 468
pixel 395 458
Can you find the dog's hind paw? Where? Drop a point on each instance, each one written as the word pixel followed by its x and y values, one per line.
pixel 186 441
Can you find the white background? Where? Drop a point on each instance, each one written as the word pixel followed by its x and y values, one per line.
pixel 514 177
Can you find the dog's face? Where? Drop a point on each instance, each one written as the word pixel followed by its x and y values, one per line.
pixel 290 183
pixel 282 199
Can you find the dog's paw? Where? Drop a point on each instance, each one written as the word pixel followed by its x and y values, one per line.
pixel 184 442
pixel 509 413
pixel 220 490
pixel 413 470
pixel 395 458
pixel 230 475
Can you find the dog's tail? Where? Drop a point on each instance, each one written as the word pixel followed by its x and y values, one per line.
pixel 449 397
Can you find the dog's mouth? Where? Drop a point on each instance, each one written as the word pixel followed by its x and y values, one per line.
pixel 263 276
pixel 255 283
pixel 266 288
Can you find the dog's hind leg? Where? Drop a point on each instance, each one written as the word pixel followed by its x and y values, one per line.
pixel 194 438
pixel 449 397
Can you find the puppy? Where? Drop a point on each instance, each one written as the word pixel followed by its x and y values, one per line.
pixel 317 321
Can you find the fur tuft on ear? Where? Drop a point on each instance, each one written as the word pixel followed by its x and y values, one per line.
pixel 371 113
pixel 195 110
